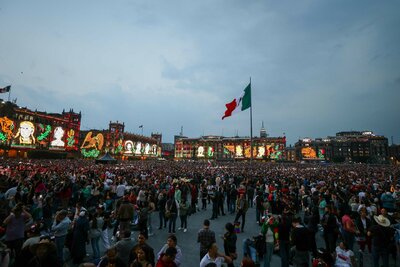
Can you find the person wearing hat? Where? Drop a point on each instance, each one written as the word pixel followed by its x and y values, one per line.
pixel 382 235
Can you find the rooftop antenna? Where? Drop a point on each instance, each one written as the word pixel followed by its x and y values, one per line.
pixel 181 133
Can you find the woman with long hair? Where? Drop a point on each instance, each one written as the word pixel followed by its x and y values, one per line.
pixel 141 259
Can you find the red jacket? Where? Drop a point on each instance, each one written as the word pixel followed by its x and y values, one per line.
pixel 160 263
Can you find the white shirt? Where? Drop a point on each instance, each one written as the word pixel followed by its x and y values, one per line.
pixel 343 258
pixel 120 191
pixel 269 236
pixel 206 260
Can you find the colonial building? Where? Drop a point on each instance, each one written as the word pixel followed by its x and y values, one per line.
pixel 119 143
pixel 23 130
pixel 394 154
pixel 230 148
pixel 353 146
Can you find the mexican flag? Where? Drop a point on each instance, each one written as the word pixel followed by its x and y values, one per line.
pixel 239 104
pixel 5 89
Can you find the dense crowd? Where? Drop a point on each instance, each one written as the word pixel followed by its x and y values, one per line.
pixel 50 207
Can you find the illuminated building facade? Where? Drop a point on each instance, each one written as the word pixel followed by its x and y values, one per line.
pixel 139 146
pixel 351 146
pixel 229 148
pixel 394 154
pixel 119 143
pixel 22 129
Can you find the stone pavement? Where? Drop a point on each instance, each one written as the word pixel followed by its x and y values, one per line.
pixel 190 248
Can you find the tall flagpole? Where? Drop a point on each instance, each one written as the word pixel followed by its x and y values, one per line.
pixel 251 126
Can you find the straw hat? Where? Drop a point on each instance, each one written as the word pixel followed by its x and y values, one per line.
pixel 381 220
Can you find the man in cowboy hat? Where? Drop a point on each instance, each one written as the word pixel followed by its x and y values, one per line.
pixel 382 236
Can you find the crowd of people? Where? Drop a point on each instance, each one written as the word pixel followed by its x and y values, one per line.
pixel 53 208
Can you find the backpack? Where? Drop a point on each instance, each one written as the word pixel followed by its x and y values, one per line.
pixel 143 214
pixel 260 245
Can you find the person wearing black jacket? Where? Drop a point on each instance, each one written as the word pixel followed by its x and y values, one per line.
pixel 300 240
pixel 214 198
pixel 204 195
pixel 284 237
pixel 230 239
pixel 331 229
pixel 382 235
pixel 162 200
pixel 259 205
pixel 171 207
pixel 311 219
pixel 363 223
pixel 220 199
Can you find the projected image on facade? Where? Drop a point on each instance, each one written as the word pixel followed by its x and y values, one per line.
pixel 128 147
pixel 92 145
pixel 58 135
pixel 147 149
pixel 260 151
pixel 239 151
pixel 7 127
pixel 43 134
pixel 210 152
pixel 308 153
pixel 200 152
pixel 274 151
pixel 321 153
pixel 229 150
pixel 138 149
pixel 119 146
pixel 71 141
pixel 25 134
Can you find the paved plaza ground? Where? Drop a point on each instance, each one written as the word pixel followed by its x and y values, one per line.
pixel 190 248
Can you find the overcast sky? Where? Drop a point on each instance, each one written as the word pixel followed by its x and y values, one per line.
pixel 317 67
